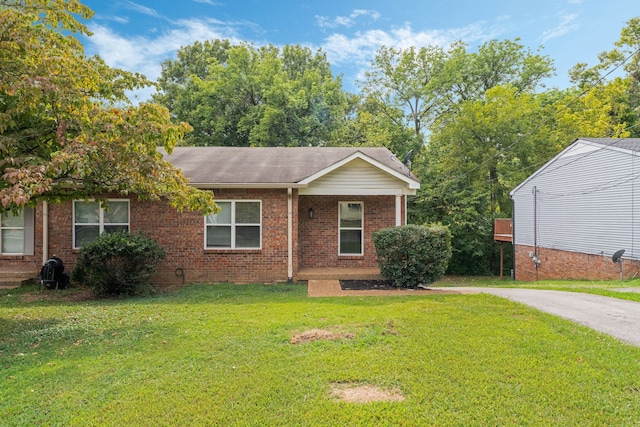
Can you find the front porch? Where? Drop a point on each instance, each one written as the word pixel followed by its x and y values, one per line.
pixel 355 273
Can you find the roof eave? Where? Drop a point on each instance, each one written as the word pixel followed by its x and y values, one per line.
pixel 277 185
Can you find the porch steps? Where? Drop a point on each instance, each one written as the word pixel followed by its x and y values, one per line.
pixel 368 273
pixel 13 278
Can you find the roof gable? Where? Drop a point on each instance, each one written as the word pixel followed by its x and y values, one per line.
pixel 583 147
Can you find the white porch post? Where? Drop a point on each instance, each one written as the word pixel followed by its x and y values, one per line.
pixel 45 232
pixel 399 210
pixel 289 235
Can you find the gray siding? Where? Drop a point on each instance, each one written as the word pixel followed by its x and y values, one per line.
pixel 587 201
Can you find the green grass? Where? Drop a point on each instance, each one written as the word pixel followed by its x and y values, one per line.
pixel 221 355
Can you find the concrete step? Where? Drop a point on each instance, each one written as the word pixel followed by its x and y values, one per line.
pixel 358 273
pixel 13 278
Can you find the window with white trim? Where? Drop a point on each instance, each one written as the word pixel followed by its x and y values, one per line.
pixel 12 233
pixel 90 219
pixel 238 225
pixel 350 228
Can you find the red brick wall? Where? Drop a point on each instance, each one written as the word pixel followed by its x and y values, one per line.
pixel 319 236
pixel 182 236
pixel 559 265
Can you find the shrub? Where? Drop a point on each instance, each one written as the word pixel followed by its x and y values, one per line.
pixel 410 255
pixel 118 263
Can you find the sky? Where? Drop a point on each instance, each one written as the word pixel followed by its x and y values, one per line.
pixel 139 35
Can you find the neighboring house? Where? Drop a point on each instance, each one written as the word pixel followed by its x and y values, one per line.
pixel 579 209
pixel 283 210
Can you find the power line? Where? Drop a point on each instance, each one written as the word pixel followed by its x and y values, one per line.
pixel 570 103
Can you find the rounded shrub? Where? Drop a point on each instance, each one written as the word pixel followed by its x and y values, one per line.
pixel 411 255
pixel 118 263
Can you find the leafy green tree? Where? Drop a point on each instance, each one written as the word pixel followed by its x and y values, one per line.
pixel 475 157
pixel 67 128
pixel 366 126
pixel 252 96
pixel 469 75
pixel 192 61
pixel 407 80
pixel 623 93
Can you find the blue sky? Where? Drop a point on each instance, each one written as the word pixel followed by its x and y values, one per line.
pixel 138 35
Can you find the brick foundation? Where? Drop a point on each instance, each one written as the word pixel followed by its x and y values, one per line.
pixel 563 265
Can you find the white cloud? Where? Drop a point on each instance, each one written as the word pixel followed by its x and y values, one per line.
pixel 143 9
pixel 361 47
pixel 120 19
pixel 209 2
pixel 145 54
pixel 346 21
pixel 567 24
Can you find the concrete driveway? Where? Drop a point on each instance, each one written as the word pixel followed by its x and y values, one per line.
pixel 618 318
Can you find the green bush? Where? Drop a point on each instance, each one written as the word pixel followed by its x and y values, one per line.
pixel 411 255
pixel 118 263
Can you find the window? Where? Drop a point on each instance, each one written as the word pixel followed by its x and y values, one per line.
pixel 12 233
pixel 90 219
pixel 238 225
pixel 350 228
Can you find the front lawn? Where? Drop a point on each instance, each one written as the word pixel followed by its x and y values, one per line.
pixel 223 355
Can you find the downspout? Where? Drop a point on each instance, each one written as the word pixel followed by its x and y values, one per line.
pixel 535 230
pixel 45 232
pixel 513 236
pixel 289 235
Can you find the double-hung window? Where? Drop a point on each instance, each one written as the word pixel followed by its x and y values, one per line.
pixel 12 233
pixel 90 219
pixel 238 225
pixel 350 226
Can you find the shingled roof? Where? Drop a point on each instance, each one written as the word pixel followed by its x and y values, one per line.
pixel 208 166
pixel 631 144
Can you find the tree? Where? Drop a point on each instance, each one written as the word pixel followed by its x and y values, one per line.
pixel 407 80
pixel 193 61
pixel 626 104
pixel 252 96
pixel 469 75
pixel 67 128
pixel 367 127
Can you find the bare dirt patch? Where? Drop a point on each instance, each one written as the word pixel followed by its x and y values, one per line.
pixel 319 334
pixel 72 295
pixel 364 393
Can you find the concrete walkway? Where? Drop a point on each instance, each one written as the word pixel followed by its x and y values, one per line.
pixel 616 317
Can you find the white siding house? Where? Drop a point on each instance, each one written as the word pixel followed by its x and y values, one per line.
pixel 582 202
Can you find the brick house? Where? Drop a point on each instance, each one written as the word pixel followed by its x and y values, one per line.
pixel 283 210
pixel 579 209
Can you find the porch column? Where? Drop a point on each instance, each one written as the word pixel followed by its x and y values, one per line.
pixel 45 232
pixel 398 210
pixel 289 235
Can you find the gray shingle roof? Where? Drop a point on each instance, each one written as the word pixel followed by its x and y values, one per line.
pixel 632 144
pixel 268 165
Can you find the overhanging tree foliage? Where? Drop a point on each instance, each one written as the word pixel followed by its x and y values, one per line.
pixel 67 128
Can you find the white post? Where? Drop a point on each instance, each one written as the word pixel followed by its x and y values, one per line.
pixel 398 210
pixel 45 232
pixel 289 235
